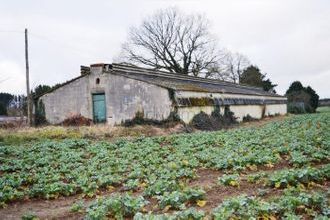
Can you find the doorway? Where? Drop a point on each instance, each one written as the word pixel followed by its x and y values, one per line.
pixel 99 109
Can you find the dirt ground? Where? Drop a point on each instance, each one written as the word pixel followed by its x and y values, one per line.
pixel 207 179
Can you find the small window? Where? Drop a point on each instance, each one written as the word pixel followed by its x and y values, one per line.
pixel 97 81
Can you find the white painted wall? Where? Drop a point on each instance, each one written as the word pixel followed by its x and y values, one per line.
pixel 187 94
pixel 276 109
pixel 255 111
pixel 186 114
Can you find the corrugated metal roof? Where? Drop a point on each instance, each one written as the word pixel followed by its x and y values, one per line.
pixel 184 82
pixel 176 82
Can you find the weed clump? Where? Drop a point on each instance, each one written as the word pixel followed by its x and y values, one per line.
pixel 77 120
pixel 249 118
pixel 139 119
pixel 215 121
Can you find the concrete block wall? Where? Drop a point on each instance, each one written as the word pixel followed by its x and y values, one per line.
pixel 276 109
pixel 255 111
pixel 124 98
pixel 67 100
pixel 186 114
pixel 127 96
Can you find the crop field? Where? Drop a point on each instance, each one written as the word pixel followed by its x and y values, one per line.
pixel 280 170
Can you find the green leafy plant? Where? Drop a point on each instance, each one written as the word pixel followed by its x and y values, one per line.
pixel 292 177
pixel 244 207
pixel 29 216
pixel 229 180
pixel 287 206
pixel 188 214
pixel 161 167
pixel 177 199
pixel 116 206
pixel 77 206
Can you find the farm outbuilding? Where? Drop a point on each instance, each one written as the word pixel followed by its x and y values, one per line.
pixel 115 93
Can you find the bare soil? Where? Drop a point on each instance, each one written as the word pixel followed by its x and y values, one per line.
pixel 216 193
pixel 44 209
pixel 207 179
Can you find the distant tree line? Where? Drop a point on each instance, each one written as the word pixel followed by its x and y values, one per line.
pixel 324 102
pixel 16 103
pixel 5 99
pixel 11 104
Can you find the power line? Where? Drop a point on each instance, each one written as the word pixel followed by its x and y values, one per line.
pixel 63 45
pixel 3 80
pixel 11 31
pixel 66 46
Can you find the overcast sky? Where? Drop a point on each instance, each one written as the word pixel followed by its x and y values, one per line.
pixel 288 39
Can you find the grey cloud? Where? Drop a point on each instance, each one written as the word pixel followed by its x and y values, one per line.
pixel 289 40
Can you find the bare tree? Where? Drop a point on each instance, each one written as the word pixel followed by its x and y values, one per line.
pixel 174 42
pixel 232 67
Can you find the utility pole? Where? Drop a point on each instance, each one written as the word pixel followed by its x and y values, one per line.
pixel 28 94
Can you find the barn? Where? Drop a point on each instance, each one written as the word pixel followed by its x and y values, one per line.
pixel 115 93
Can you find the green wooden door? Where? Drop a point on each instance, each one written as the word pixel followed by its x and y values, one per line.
pixel 99 112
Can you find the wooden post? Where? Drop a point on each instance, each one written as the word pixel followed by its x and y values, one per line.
pixel 28 93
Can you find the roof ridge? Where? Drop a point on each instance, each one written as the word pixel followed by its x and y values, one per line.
pixel 181 76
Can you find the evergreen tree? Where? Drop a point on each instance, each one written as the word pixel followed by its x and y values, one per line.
pixel 314 98
pixel 41 89
pixel 5 98
pixel 253 77
pixel 295 86
pixel 3 109
pixel 301 99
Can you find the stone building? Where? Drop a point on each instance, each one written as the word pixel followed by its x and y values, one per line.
pixel 114 93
